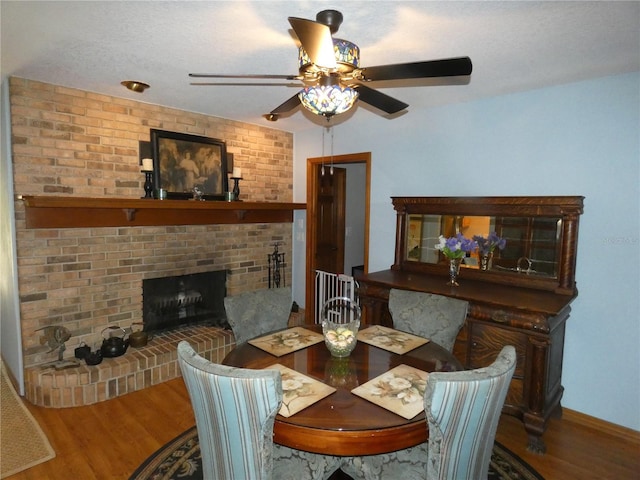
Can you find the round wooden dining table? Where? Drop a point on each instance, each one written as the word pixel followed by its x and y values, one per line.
pixel 344 423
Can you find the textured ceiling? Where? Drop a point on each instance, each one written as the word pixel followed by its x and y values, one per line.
pixel 514 45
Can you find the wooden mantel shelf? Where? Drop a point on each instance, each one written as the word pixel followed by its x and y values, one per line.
pixel 78 212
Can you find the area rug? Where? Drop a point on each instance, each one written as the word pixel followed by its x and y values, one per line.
pixel 180 460
pixel 23 444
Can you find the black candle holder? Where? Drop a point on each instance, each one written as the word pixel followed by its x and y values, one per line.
pixel 236 187
pixel 148 183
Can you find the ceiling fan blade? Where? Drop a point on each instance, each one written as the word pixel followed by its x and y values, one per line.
pixel 316 40
pixel 245 84
pixel 379 100
pixel 448 67
pixel 259 76
pixel 287 106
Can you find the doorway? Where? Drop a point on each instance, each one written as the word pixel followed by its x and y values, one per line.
pixel 323 215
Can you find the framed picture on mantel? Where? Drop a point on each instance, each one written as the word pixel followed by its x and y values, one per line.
pixel 184 164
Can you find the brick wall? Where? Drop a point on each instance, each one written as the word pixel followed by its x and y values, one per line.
pixel 77 143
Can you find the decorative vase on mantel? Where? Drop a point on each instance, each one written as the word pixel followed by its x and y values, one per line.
pixel 454 269
pixel 485 260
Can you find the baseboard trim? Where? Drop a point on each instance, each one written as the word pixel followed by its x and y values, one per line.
pixel 600 425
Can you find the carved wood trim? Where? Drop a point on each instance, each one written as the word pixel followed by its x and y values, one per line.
pixel 77 212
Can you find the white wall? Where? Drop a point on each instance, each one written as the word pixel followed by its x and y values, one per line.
pixel 576 139
pixel 11 346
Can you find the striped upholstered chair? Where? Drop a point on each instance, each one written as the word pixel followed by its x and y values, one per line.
pixel 436 317
pixel 258 312
pixel 235 410
pixel 462 409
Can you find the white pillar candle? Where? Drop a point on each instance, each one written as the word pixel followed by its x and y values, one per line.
pixel 237 173
pixel 147 164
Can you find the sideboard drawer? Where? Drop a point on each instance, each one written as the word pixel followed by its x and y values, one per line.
pixel 460 346
pixel 515 395
pixel 488 340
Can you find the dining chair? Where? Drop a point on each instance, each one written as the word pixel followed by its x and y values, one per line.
pixel 235 410
pixel 462 411
pixel 436 317
pixel 257 312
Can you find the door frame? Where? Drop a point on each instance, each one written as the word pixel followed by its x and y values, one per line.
pixel 312 211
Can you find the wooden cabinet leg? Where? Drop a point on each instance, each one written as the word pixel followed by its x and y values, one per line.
pixel 536 445
pixel 535 425
pixel 557 412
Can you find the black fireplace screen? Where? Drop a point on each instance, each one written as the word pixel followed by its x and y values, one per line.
pixel 172 302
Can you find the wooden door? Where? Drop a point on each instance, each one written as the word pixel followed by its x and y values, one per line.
pixel 330 220
pixel 314 188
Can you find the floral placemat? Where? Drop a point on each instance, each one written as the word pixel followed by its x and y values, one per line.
pixel 389 339
pixel 400 390
pixel 287 341
pixel 299 391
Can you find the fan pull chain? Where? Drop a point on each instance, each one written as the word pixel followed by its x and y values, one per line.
pixel 322 168
pixel 329 127
pixel 331 169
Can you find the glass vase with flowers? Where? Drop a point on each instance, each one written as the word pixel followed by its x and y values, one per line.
pixel 455 249
pixel 486 247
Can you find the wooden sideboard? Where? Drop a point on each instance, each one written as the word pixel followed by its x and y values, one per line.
pixel 532 321
pixel 527 308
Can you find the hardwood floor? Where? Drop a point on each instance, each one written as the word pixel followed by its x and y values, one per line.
pixel 578 447
pixel 111 439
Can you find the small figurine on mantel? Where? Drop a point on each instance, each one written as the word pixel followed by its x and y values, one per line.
pixel 55 337
pixel 198 194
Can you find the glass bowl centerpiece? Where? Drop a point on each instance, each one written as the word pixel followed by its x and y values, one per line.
pixel 340 323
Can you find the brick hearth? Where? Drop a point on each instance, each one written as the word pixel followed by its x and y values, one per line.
pixel 138 368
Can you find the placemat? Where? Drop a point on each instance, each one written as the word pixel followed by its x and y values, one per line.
pixel 287 341
pixel 390 339
pixel 299 391
pixel 400 390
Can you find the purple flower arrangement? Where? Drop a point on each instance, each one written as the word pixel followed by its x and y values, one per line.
pixel 489 244
pixel 456 247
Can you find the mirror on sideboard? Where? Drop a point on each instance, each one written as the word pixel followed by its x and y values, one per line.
pixel 531 244
pixel 539 234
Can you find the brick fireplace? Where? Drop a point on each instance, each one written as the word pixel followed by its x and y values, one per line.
pixel 68 142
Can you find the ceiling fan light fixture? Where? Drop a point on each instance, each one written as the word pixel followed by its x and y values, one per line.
pixel 331 75
pixel 328 100
pixel 134 85
pixel 347 56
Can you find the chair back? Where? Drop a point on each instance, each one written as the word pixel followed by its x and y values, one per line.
pixel 254 313
pixel 463 409
pixel 436 317
pixel 235 410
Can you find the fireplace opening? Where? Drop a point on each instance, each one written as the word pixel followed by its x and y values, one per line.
pixel 195 299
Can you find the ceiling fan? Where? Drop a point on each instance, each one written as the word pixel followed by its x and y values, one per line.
pixel 330 72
